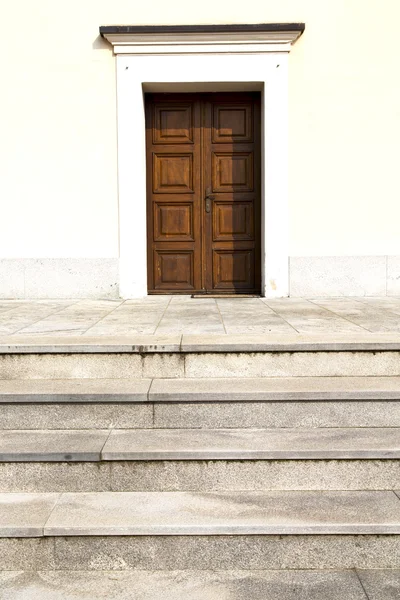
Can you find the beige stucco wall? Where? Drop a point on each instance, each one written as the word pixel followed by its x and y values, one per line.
pixel 58 160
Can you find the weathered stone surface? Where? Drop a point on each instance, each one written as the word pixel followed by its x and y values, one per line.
pixel 354 318
pixel 55 477
pixel 50 445
pixel 231 513
pixel 30 554
pixel 276 414
pixel 76 416
pixel 220 475
pixel 24 515
pixel 27 344
pixel 297 364
pixel 200 476
pixel 70 366
pixel 295 342
pixel 274 388
pixel 227 552
pixel 75 390
pixel 338 275
pixel 382 584
pixel 163 365
pixel 182 585
pixel 209 444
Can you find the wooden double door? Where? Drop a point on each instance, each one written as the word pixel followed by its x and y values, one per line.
pixel 203 193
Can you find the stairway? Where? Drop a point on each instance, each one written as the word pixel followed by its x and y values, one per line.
pixel 200 468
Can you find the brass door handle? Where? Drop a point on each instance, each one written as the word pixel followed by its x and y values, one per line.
pixel 209 197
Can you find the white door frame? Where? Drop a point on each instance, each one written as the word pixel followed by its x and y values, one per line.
pixel 192 63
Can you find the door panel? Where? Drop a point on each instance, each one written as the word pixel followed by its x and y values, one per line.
pixel 173 270
pixel 173 193
pixel 232 166
pixel 204 197
pixel 233 220
pixel 232 172
pixel 233 268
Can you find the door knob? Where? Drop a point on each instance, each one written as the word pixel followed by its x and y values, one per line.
pixel 209 197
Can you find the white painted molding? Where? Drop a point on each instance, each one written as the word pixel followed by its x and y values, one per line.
pixel 224 58
pixel 218 42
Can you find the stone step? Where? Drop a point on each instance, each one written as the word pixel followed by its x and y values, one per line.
pixel 202 585
pixel 200 415
pixel 189 343
pixel 295 389
pixel 199 460
pixel 74 390
pixel 200 390
pixel 252 389
pixel 225 530
pixel 192 514
pixel 200 403
pixel 198 360
pixel 199 444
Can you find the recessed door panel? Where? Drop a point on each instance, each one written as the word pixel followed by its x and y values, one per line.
pixel 232 123
pixel 173 222
pixel 173 173
pixel 233 220
pixel 233 268
pixel 232 171
pixel 204 193
pixel 173 270
pixel 173 124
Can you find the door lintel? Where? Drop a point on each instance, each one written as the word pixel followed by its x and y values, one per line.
pixel 201 39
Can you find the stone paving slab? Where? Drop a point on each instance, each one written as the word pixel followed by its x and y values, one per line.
pixel 182 314
pixel 224 513
pixel 274 388
pixel 241 444
pixel 74 390
pixel 183 585
pixel 381 584
pixel 24 515
pixel 47 445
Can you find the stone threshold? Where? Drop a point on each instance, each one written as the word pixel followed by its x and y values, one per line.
pixel 178 343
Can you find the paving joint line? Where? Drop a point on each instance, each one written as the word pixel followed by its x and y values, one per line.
pixel 51 512
pixel 42 319
pixel 162 316
pixel 361 583
pixel 103 317
pixel 105 442
pixel 220 315
pixel 280 316
pixel 340 316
